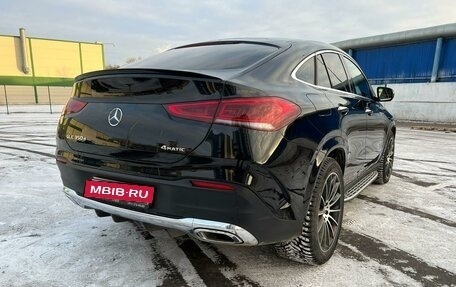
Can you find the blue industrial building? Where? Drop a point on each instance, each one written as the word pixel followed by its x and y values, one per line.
pixel 419 64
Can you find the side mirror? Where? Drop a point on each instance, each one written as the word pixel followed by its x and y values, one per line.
pixel 385 94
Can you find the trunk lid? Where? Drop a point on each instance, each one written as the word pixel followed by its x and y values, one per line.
pixel 124 116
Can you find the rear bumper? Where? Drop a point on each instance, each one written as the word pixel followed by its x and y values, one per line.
pixel 202 229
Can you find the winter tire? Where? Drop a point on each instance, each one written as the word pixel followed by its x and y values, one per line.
pixel 386 164
pixel 322 224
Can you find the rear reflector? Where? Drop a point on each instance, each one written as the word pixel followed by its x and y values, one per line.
pixel 61 159
pixel 260 113
pixel 74 106
pixel 211 185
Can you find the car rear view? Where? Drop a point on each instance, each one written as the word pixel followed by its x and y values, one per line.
pixel 172 143
pixel 242 142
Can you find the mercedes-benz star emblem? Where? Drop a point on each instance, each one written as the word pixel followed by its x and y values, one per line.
pixel 114 117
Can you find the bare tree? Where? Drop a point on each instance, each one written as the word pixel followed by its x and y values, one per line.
pixel 132 60
pixel 128 61
pixel 110 67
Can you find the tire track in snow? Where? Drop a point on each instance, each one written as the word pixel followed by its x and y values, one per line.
pixel 208 268
pixel 29 150
pixel 223 262
pixel 422 160
pixel 27 142
pixel 172 276
pixel 398 259
pixel 28 134
pixel 408 210
pixel 419 172
pixel 204 266
pixel 413 180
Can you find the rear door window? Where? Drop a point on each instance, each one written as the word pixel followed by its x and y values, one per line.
pixel 306 72
pixel 336 71
pixel 322 78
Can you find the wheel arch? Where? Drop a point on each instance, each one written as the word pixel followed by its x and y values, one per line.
pixel 391 132
pixel 334 148
pixel 338 153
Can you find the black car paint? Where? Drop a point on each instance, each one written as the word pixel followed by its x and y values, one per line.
pixel 282 165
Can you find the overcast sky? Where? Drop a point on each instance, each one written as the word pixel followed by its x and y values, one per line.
pixel 140 28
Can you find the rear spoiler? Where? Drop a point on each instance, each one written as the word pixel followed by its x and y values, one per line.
pixel 187 74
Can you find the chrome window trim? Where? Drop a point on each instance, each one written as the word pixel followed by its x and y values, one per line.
pixel 295 70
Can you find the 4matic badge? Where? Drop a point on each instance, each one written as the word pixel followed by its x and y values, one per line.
pixel 172 148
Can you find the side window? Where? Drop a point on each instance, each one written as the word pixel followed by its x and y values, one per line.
pixel 360 83
pixel 306 72
pixel 321 75
pixel 339 80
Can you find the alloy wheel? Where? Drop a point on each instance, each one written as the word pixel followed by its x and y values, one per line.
pixel 389 158
pixel 329 212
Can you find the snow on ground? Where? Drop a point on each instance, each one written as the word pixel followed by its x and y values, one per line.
pixel 44 239
pixel 399 234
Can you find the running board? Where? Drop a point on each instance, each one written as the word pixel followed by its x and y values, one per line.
pixel 360 186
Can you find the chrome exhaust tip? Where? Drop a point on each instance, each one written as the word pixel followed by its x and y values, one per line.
pixel 217 236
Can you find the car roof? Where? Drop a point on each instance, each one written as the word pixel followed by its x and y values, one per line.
pixel 277 42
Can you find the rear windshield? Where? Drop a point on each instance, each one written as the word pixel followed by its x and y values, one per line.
pixel 208 57
pixel 146 88
pixel 127 86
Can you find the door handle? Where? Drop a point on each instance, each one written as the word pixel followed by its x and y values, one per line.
pixel 368 111
pixel 342 110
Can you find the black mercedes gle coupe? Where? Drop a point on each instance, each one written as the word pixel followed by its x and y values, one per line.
pixel 242 141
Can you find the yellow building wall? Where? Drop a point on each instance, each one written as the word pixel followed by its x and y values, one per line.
pixel 55 58
pixel 53 63
pixel 49 58
pixel 91 56
pixel 10 57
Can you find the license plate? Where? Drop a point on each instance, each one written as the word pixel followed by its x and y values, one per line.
pixel 119 191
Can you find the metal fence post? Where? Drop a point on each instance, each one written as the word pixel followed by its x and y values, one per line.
pixel 49 96
pixel 6 100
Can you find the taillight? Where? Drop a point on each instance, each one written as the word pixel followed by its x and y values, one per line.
pixel 260 113
pixel 203 111
pixel 73 106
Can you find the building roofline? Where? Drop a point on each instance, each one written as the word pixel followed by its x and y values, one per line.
pixel 416 35
pixel 56 40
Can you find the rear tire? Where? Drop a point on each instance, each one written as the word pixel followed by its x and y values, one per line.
pixel 322 224
pixel 386 163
